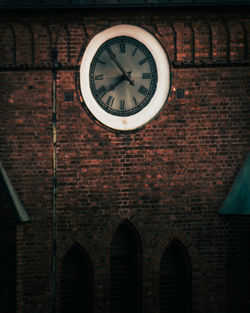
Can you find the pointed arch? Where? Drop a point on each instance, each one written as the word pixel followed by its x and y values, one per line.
pixel 175 41
pixel 24 44
pixel 76 281
pixel 125 270
pixel 63 44
pixel 193 52
pixel 7 45
pixel 175 279
pixel 84 43
pixel 42 43
pixel 210 40
pixel 220 41
pixel 202 41
pixel 184 42
pixel 238 43
pixel 32 43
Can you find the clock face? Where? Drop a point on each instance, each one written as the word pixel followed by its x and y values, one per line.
pixel 123 76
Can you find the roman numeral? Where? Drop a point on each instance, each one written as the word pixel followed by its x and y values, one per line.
pixel 135 101
pixel 134 51
pixel 122 47
pixel 143 61
pixel 146 75
pixel 122 104
pixel 99 61
pixel 110 101
pixel 101 91
pixel 143 90
pixel 99 77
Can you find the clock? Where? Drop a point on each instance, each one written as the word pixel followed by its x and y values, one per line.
pixel 124 77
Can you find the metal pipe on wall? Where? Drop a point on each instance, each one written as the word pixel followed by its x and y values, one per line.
pixel 54 174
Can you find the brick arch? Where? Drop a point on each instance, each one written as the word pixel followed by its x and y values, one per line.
pixel 63 45
pixel 237 41
pixel 7 45
pixel 69 242
pixel 202 41
pixel 77 38
pixel 167 36
pixel 184 41
pixel 116 222
pixel 175 262
pixel 24 44
pixel 220 40
pixel 131 225
pixel 197 268
pixel 76 280
pixel 81 246
pixel 125 269
pixel 42 43
pixel 89 31
pixel 171 235
pixel 246 27
pixel 88 35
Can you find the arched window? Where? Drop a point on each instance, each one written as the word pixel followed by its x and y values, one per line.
pixel 125 271
pixel 76 282
pixel 175 280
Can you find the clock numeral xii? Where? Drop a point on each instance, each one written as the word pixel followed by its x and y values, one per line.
pixel 122 47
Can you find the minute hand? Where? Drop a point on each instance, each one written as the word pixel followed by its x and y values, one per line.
pixel 113 57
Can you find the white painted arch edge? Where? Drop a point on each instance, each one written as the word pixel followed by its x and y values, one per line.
pixel 126 123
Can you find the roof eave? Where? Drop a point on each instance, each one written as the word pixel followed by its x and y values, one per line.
pixel 19 210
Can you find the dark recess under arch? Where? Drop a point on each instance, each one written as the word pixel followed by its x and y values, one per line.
pixel 175 280
pixel 76 282
pixel 125 271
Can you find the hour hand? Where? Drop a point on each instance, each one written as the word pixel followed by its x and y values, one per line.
pixel 117 82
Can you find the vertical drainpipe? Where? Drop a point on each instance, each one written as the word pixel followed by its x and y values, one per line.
pixel 54 169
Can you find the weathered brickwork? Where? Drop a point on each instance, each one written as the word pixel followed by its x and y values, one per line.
pixel 168 179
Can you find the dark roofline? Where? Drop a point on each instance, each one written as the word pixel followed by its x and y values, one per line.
pixel 19 210
pixel 238 199
pixel 96 4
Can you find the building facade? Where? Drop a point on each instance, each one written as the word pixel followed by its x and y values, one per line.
pixel 124 221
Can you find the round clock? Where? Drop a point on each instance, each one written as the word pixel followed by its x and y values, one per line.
pixel 124 77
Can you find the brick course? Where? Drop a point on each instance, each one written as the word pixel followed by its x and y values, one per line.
pixel 168 179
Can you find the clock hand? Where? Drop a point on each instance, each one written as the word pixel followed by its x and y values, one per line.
pixel 113 57
pixel 119 80
pixel 112 86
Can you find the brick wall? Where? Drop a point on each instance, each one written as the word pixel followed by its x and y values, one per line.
pixel 169 179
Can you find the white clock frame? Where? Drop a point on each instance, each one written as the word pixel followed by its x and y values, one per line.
pixel 157 102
